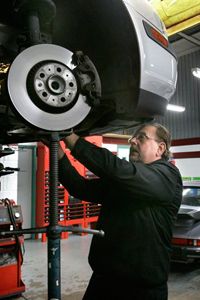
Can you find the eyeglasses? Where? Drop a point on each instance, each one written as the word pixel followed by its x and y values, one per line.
pixel 141 136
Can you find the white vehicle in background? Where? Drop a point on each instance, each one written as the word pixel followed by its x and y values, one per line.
pixel 95 66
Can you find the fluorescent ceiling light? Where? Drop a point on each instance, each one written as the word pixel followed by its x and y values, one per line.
pixel 196 72
pixel 176 108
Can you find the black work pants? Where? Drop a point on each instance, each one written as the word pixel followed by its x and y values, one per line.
pixel 106 288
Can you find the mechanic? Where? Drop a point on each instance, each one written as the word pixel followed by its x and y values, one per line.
pixel 140 200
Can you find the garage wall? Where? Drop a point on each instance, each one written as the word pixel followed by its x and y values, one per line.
pixel 8 183
pixel 26 184
pixel 186 124
pixel 187 159
pixel 20 186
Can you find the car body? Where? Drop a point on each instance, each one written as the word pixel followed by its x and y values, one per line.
pixel 126 75
pixel 186 231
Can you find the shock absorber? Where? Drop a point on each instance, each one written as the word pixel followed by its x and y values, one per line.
pixel 32 16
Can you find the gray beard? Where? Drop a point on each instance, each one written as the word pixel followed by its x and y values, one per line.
pixel 134 158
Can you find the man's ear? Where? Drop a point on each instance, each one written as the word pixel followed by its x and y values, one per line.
pixel 161 148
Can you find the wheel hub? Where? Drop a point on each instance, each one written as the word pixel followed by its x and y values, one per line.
pixel 55 85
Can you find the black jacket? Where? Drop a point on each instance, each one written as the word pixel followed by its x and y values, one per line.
pixel 139 204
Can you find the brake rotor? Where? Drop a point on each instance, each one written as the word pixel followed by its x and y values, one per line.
pixel 44 90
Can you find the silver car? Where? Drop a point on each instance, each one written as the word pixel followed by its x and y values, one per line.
pixel 186 231
pixel 94 66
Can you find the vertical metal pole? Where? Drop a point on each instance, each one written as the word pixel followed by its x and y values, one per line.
pixel 34 28
pixel 54 274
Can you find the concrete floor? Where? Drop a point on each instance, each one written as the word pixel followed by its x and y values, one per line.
pixel 184 281
pixel 75 271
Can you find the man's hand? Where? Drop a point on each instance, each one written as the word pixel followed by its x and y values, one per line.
pixel 71 140
pixel 61 152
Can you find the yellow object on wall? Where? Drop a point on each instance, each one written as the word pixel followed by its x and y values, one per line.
pixel 178 15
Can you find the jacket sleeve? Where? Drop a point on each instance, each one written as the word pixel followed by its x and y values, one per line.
pixel 101 161
pixel 146 182
pixel 77 185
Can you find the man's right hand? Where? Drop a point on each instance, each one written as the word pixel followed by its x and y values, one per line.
pixel 71 140
pixel 61 152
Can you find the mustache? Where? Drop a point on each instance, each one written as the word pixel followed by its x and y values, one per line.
pixel 133 149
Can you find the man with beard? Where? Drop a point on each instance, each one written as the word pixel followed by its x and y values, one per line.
pixel 140 200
